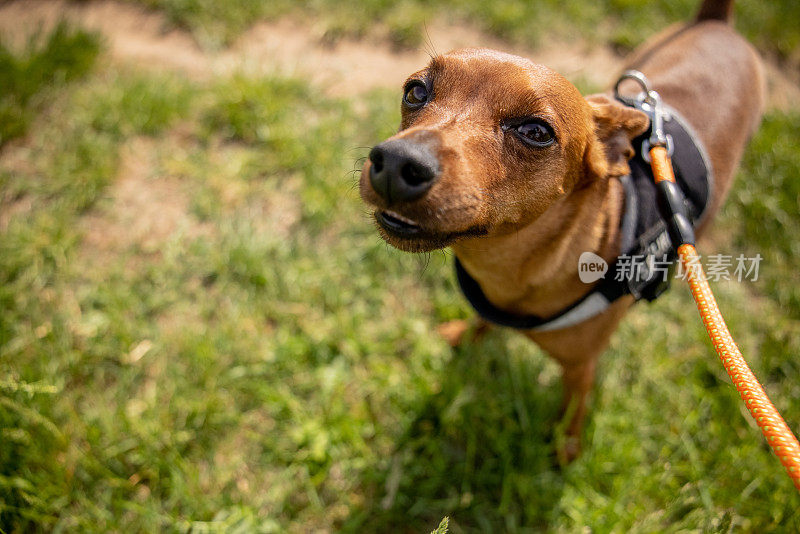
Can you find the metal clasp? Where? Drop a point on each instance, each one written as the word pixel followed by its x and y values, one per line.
pixel 648 101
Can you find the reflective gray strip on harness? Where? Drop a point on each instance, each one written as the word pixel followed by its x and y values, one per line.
pixel 594 304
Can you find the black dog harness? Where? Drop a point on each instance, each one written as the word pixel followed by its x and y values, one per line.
pixel 645 241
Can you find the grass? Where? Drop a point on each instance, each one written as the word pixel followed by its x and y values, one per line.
pixel 621 23
pixel 63 56
pixel 765 211
pixel 267 364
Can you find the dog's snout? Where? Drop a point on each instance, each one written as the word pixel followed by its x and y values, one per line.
pixel 402 170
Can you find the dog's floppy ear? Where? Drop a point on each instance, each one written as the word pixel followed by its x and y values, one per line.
pixel 615 125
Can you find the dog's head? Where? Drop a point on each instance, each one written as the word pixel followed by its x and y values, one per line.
pixel 488 142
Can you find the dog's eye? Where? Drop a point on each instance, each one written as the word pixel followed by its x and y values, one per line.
pixel 535 133
pixel 416 95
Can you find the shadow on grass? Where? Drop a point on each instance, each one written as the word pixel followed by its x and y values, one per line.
pixel 479 449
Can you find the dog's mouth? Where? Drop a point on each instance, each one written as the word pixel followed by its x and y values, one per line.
pixel 410 236
pixel 397 225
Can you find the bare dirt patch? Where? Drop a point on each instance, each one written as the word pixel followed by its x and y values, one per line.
pixel 283 47
pixel 269 203
pixel 131 33
pixel 148 206
pixel 15 158
pixel 142 209
pixel 290 47
pixel 11 209
pixel 352 66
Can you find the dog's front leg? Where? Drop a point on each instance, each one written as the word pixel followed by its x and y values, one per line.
pixel 577 350
pixel 578 379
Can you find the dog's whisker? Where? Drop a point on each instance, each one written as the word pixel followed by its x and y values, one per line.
pixel 429 42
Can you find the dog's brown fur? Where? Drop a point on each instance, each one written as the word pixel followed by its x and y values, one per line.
pixel 519 217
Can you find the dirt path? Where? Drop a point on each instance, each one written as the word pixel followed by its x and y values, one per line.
pixel 135 34
pixel 287 47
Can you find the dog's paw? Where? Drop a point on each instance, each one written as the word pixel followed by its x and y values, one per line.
pixel 569 450
pixel 461 331
pixel 453 331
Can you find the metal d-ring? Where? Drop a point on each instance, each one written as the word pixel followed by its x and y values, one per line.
pixel 636 76
pixel 648 101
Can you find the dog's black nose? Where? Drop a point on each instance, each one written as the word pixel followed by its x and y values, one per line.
pixel 402 170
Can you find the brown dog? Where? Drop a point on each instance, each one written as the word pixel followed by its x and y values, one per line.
pixel 505 162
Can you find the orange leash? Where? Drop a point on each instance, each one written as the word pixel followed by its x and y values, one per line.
pixel 778 434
